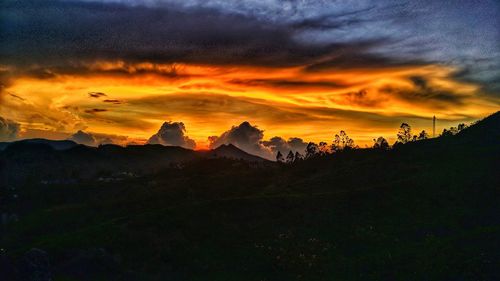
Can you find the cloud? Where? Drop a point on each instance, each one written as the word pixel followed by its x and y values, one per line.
pixel 482 70
pixel 68 36
pixel 172 134
pixel 113 101
pixel 95 110
pixel 82 137
pixel 276 144
pixel 96 139
pixel 359 57
pixel 244 136
pixel 9 130
pixel 218 106
pixel 97 95
pixel 360 98
pixel 422 92
pixel 157 34
pixel 106 141
pixel 289 83
pixel 250 139
pixel 290 66
pixel 17 97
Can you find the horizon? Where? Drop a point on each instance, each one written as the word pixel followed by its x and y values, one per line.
pixel 269 150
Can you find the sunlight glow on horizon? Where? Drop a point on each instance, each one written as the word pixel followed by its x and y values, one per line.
pixel 286 102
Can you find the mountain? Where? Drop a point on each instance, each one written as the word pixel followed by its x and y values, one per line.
pixel 54 144
pixel 230 151
pixel 46 159
pixel 3 145
pixel 486 131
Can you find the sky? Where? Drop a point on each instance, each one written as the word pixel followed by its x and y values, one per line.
pixel 262 74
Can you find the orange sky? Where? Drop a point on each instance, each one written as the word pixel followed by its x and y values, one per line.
pixel 286 102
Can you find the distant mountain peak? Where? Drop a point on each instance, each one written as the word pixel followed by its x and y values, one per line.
pixel 233 152
pixel 228 146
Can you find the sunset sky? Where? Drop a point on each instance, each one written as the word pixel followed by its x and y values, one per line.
pixel 117 70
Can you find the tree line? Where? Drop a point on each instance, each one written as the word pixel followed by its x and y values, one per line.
pixel 342 142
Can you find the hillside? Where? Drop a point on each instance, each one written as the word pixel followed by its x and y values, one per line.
pixel 232 152
pixel 56 161
pixel 427 210
pixel 54 144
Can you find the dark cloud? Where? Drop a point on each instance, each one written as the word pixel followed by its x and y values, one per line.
pixel 17 97
pixel 9 130
pixel 284 83
pixel 46 38
pixel 419 82
pixel 97 95
pixel 335 20
pixel 95 139
pixel 422 92
pixel 59 34
pixel 280 144
pixel 361 98
pixel 244 136
pixel 172 134
pixel 484 71
pixel 95 110
pixel 85 138
pixel 346 58
pixel 113 101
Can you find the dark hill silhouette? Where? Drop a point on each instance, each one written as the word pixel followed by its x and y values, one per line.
pixel 45 159
pixel 230 151
pixel 3 145
pixel 55 144
pixel 426 210
pixel 486 131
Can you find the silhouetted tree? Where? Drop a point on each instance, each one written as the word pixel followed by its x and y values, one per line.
pixel 298 156
pixel 311 150
pixel 404 133
pixel 342 141
pixel 450 132
pixel 279 157
pixel 381 143
pixel 453 130
pixel 423 135
pixel 290 158
pixel 323 148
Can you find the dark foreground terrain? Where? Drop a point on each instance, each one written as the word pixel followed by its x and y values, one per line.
pixel 427 210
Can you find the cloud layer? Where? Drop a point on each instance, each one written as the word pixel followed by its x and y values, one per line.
pixel 297 68
pixel 82 137
pixel 251 139
pixel 244 136
pixel 60 36
pixel 96 139
pixel 9 129
pixel 172 134
pixel 294 144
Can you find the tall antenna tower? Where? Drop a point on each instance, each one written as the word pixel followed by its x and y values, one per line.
pixel 434 126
